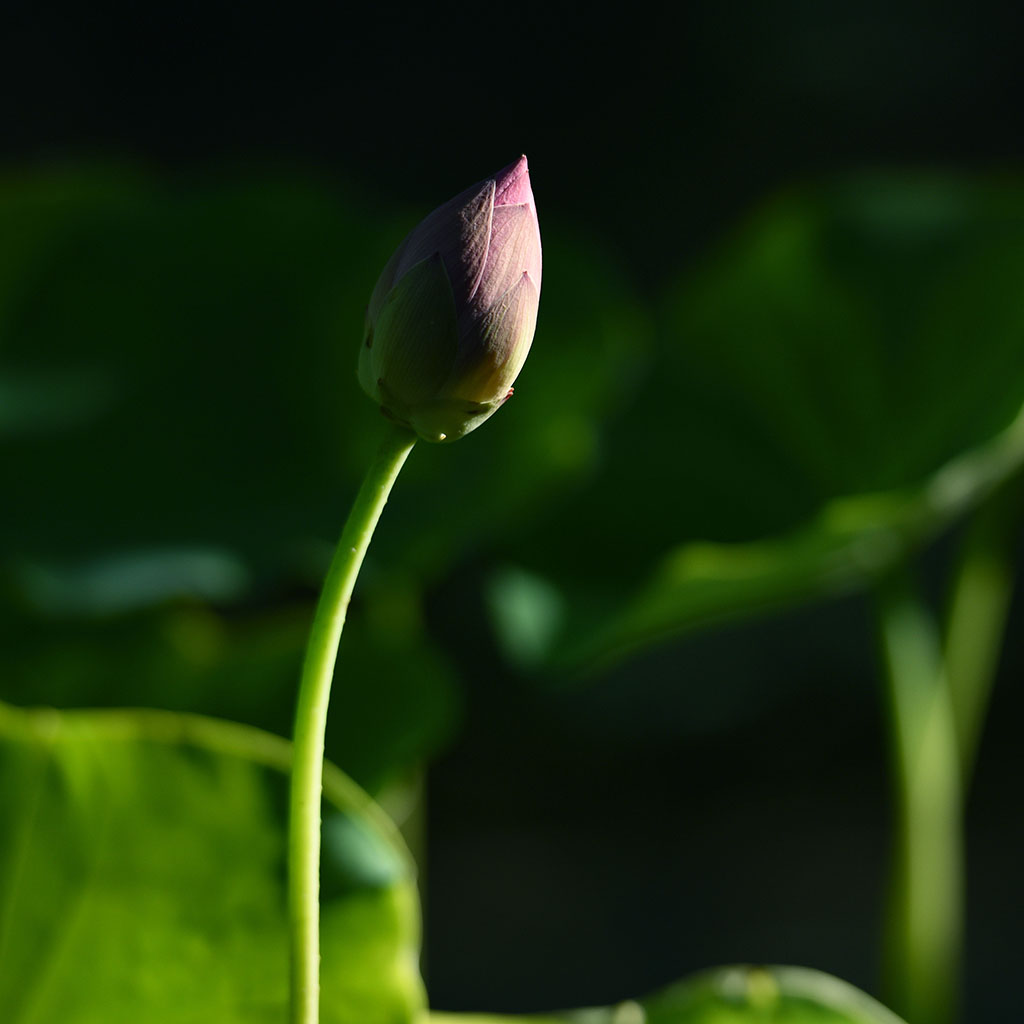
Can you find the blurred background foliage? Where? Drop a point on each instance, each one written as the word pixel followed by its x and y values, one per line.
pixel 163 599
pixel 780 351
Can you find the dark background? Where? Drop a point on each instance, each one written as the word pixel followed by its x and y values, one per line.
pixel 633 117
pixel 719 799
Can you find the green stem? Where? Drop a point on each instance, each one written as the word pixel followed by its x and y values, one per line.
pixel 926 900
pixel 311 720
pixel 978 607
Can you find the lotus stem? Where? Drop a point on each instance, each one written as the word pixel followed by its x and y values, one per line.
pixel 311 722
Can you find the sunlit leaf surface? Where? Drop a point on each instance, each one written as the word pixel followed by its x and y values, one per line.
pixel 142 877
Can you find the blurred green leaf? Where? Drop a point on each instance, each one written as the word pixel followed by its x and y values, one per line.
pixel 764 995
pixel 394 701
pixel 52 400
pixel 856 335
pixel 527 613
pixel 725 995
pixel 488 1018
pixel 819 370
pixel 142 877
pixel 132 580
pixel 850 544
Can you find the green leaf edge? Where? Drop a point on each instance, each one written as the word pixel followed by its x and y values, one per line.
pixel 867 535
pixel 216 735
pixel 800 983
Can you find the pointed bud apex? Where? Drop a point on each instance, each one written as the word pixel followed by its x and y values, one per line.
pixel 452 316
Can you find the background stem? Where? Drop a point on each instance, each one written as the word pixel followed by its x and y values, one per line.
pixel 925 917
pixel 976 619
pixel 311 720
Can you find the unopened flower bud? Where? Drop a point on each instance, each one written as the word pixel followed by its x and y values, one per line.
pixel 452 316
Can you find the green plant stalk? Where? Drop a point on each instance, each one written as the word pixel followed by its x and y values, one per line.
pixel 311 721
pixel 976 620
pixel 925 919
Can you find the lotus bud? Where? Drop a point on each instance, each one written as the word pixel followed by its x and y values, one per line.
pixel 451 319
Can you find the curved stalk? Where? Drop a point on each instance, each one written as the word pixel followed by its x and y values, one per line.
pixel 925 919
pixel 311 721
pixel 978 608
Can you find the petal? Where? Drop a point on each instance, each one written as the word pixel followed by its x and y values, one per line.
pixel 413 342
pixel 512 185
pixel 514 250
pixel 460 231
pixel 513 188
pixel 384 284
pixel 490 359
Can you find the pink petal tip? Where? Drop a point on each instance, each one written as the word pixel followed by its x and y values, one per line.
pixel 512 184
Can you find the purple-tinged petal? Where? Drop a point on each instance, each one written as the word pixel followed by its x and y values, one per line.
pixel 512 185
pixel 512 188
pixel 459 231
pixel 514 249
pixel 487 366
